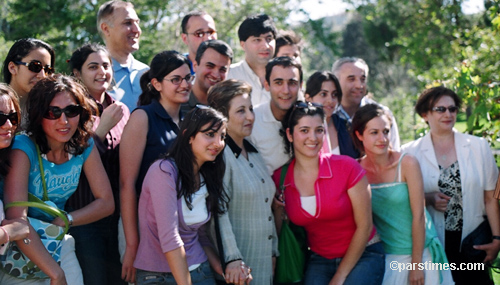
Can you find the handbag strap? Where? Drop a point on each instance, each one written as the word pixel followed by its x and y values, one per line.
pixel 42 174
pixel 219 244
pixel 284 170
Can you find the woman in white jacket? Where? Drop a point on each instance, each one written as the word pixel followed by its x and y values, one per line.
pixel 460 174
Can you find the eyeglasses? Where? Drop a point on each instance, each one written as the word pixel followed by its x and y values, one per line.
pixel 70 111
pixel 198 107
pixel 177 80
pixel 442 109
pixel 12 117
pixel 36 66
pixel 200 34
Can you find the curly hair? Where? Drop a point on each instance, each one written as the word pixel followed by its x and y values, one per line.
pixel 39 99
pixel 6 91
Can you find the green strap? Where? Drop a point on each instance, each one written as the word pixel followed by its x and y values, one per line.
pixel 284 170
pixel 42 174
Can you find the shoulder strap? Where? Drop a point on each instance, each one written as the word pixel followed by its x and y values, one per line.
pixel 284 170
pixel 42 174
pixel 398 177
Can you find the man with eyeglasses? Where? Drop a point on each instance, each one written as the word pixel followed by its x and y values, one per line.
pixel 118 25
pixel 257 36
pixel 211 65
pixel 197 27
pixel 283 81
pixel 352 73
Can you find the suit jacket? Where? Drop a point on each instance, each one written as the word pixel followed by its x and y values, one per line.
pixel 478 173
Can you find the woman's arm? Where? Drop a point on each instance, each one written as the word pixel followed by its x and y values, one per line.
pixel 412 175
pixel 16 189
pixel 493 213
pixel 103 205
pixel 178 264
pixel 15 229
pixel 109 118
pixel 132 145
pixel 360 197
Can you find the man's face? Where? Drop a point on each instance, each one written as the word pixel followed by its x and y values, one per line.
pixel 213 68
pixel 199 25
pixel 292 51
pixel 259 50
pixel 284 85
pixel 352 80
pixel 123 31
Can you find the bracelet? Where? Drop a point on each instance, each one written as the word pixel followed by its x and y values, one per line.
pixel 70 219
pixel 496 237
pixel 6 233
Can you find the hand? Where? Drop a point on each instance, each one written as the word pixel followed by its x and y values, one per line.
pixel 277 204
pixel 491 250
pixel 337 280
pixel 59 278
pixel 237 272
pixel 128 269
pixel 111 116
pixel 416 277
pixel 16 228
pixel 439 201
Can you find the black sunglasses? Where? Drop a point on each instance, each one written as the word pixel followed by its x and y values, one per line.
pixel 70 111
pixel 442 109
pixel 36 66
pixel 303 105
pixel 12 117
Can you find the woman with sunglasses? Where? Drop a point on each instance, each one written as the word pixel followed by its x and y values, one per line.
pixel 405 228
pixel 150 131
pixel 14 229
pixel 60 138
pixel 179 195
pixel 329 196
pixel 249 222
pixel 96 244
pixel 323 88
pixel 460 174
pixel 27 61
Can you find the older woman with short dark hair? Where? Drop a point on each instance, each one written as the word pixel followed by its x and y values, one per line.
pixel 460 174
pixel 248 231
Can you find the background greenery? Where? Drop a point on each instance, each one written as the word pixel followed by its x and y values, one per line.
pixel 409 45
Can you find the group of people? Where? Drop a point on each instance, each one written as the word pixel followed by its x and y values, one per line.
pixel 168 174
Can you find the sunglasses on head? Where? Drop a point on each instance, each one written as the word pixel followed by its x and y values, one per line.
pixel 12 117
pixel 198 107
pixel 36 66
pixel 303 105
pixel 70 111
pixel 442 109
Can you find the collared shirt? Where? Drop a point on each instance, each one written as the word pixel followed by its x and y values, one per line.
pixel 242 71
pixel 127 79
pixel 108 150
pixel 236 149
pixel 394 132
pixel 266 137
pixel 191 104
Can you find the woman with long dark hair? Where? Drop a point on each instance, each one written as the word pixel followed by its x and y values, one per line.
pixel 150 131
pixel 179 195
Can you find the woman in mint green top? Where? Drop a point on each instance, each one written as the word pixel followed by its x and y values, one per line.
pixel 398 205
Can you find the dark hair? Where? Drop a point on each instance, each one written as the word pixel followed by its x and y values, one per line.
pixel 221 94
pixel 292 117
pixel 255 26
pixel 5 90
pixel 287 38
pixel 80 55
pixel 182 153
pixel 161 65
pixel 362 116
pixel 20 49
pixel 186 18
pixel 283 61
pixel 39 99
pixel 314 82
pixel 107 9
pixel 430 96
pixel 217 45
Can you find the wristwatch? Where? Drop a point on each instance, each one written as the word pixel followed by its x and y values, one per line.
pixel 70 219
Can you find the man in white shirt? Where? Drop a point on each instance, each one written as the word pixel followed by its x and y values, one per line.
pixel 118 25
pixel 283 81
pixel 352 73
pixel 197 27
pixel 257 36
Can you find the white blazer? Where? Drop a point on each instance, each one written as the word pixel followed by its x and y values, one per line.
pixel 478 173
